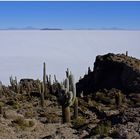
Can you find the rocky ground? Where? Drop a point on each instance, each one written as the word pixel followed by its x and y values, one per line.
pixel 99 117
pixel 106 112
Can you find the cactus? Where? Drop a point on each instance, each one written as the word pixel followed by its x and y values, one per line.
pixel 28 88
pixel 89 70
pixel 50 80
pixel 76 108
pixel 75 99
pixel 55 80
pixel 1 89
pixel 11 81
pixel 44 79
pixel 80 77
pixel 118 99
pixel 126 53
pixel 41 91
pixel 67 96
pixel 42 94
pixel 14 84
pixel 66 114
pixel 47 79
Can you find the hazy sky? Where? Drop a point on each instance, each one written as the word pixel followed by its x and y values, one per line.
pixel 70 14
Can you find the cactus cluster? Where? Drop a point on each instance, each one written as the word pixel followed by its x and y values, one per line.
pixel 14 84
pixel 67 97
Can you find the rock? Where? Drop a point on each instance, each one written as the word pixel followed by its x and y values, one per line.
pixel 129 125
pixel 26 80
pixel 111 112
pixel 11 114
pixel 127 133
pixel 112 71
pixel 83 134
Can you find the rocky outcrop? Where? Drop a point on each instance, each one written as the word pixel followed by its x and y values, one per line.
pixel 112 71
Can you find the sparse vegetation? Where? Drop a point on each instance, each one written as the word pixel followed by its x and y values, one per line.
pixel 22 123
pixel 78 122
pixel 103 129
pixel 52 118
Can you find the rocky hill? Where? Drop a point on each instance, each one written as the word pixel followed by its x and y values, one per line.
pixel 112 71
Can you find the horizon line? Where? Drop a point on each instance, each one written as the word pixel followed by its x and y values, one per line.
pixel 55 28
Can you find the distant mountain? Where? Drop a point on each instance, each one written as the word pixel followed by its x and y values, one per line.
pixel 34 28
pixel 30 28
pixel 24 28
pixel 51 29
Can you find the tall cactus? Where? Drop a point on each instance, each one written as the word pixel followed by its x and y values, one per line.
pixel 44 79
pixel 41 91
pixel 75 100
pixel 67 96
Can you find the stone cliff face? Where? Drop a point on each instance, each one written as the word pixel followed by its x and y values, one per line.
pixel 112 71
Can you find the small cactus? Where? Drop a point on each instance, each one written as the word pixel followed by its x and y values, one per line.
pixel 50 80
pixel 28 88
pixel 89 70
pixel 126 53
pixel 55 80
pixel 76 108
pixel 66 114
pixel 1 89
pixel 1 110
pixel 118 99
pixel 42 94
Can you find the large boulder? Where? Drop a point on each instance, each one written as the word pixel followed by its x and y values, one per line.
pixel 112 71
